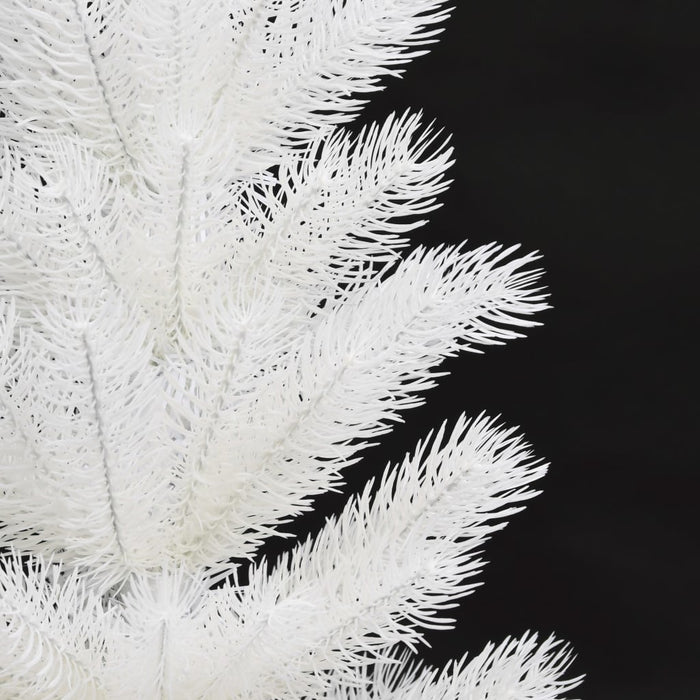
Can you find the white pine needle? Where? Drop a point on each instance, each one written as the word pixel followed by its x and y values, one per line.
pixel 206 313
pixel 516 668
pixel 381 572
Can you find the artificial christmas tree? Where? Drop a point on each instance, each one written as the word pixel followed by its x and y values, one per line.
pixel 207 313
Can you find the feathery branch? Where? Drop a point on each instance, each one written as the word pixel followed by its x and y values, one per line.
pixel 383 569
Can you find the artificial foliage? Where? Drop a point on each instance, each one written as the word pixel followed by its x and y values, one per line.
pixel 209 309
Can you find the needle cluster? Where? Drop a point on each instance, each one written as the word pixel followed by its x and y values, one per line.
pixel 207 310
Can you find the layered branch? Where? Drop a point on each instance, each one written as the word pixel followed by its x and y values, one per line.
pixel 71 70
pixel 63 71
pixel 51 634
pixel 343 204
pixel 332 211
pixel 245 336
pixel 197 337
pixel 516 668
pixel 62 223
pixel 91 477
pixel 348 379
pixel 160 646
pixel 380 572
pixel 322 53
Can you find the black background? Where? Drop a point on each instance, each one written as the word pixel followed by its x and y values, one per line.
pixel 575 130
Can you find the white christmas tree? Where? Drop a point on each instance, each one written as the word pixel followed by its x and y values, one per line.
pixel 206 315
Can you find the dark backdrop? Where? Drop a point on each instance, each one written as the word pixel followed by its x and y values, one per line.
pixel 575 128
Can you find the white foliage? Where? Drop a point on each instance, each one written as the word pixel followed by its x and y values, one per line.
pixel 52 633
pixel 516 668
pixel 92 480
pixel 380 573
pixel 206 314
